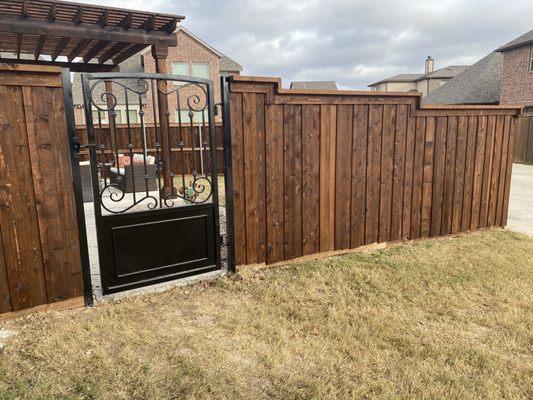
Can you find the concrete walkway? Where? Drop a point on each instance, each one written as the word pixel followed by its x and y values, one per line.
pixel 521 200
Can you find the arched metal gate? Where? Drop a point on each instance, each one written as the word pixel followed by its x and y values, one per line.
pixel 154 181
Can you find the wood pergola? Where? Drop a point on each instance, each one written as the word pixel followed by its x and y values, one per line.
pixel 90 37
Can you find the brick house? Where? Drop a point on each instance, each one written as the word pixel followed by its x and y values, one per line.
pixel 517 71
pixel 191 57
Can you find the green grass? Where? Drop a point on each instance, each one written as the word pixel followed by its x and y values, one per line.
pixel 449 318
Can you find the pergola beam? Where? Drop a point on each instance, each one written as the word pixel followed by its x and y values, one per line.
pixel 19 45
pixel 85 31
pixel 24 9
pixel 93 51
pixel 78 18
pixel 149 24
pixel 74 67
pixel 113 50
pixel 128 53
pixel 60 47
pixel 78 49
pixel 39 47
pixel 52 13
pixel 171 25
pixel 104 19
pixel 127 21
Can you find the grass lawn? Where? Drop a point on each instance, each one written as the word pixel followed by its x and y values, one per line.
pixel 449 318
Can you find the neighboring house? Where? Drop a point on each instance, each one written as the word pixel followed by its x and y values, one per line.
pixel 478 84
pixel 517 71
pixel 424 83
pixel 315 85
pixel 191 57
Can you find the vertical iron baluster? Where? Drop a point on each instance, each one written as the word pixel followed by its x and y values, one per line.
pixel 170 158
pixel 193 147
pixel 112 114
pixel 102 150
pixel 143 142
pixel 181 143
pixel 203 144
pixel 156 138
pixel 129 146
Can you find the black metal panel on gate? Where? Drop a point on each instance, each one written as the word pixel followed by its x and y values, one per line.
pixel 154 176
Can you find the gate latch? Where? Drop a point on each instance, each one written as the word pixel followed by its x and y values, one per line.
pixel 78 146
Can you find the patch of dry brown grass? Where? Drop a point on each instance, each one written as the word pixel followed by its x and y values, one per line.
pixel 449 318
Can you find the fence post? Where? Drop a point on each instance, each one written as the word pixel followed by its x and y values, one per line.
pixel 228 172
pixel 76 183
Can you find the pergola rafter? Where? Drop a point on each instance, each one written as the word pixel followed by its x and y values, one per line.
pixel 98 35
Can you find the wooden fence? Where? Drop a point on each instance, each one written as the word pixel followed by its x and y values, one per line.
pixel 320 171
pixel 523 150
pixel 190 150
pixel 39 247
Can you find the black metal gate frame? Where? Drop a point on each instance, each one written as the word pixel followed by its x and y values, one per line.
pixel 90 129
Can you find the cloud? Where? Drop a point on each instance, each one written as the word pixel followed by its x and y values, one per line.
pixel 354 42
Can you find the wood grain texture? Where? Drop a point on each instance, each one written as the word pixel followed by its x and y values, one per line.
pixel 408 176
pixel 478 172
pixel 359 154
pixel 508 172
pixel 239 199
pixel 469 173
pixel 495 173
pixel 373 168
pixel 274 184
pixel 343 176
pixel 439 165
pixel 18 210
pixel 386 173
pixel 462 137
pixel 449 176
pixel 293 179
pixel 427 180
pixel 418 174
pixel 355 169
pixel 397 194
pixel 311 178
pixel 328 131
pixel 50 164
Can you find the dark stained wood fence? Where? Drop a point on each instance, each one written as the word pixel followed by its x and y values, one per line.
pixel 190 150
pixel 322 171
pixel 523 150
pixel 39 248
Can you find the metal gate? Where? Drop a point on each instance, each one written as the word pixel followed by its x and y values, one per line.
pixel 153 163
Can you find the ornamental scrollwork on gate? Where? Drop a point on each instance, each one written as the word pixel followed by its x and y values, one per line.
pixel 129 155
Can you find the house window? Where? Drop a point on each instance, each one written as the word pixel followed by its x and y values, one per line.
pixel 181 68
pixel 185 118
pixel 102 118
pixel 200 70
pixel 133 117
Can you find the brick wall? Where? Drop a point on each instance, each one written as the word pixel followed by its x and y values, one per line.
pixel 187 50
pixel 517 81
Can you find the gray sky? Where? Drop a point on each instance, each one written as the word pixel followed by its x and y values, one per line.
pixel 354 42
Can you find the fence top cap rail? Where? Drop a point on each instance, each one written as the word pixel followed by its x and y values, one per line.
pixel 417 97
pixel 280 90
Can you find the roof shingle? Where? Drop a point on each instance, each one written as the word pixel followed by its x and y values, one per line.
pixel 525 39
pixel 479 84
